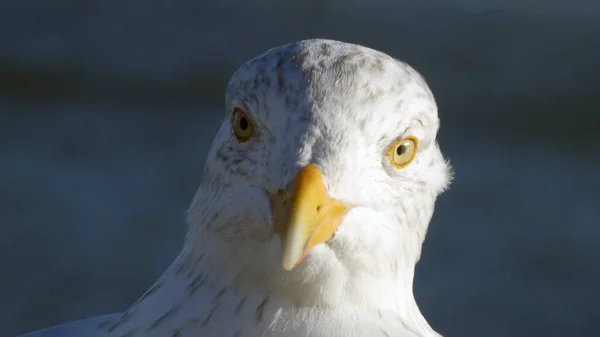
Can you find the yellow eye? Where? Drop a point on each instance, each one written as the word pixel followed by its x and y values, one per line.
pixel 242 125
pixel 402 152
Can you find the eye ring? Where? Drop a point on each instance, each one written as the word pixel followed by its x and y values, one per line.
pixel 402 152
pixel 242 126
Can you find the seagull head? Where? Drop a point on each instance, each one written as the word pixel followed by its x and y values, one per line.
pixel 321 181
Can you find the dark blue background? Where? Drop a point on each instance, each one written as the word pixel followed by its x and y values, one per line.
pixel 107 109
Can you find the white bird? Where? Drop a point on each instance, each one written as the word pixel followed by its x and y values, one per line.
pixel 314 203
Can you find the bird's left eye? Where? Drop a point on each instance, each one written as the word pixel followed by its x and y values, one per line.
pixel 242 125
pixel 402 152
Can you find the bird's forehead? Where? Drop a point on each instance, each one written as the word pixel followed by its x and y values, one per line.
pixel 331 80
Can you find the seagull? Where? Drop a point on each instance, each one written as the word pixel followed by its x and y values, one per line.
pixel 312 209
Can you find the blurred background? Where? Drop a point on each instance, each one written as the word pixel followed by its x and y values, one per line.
pixel 107 110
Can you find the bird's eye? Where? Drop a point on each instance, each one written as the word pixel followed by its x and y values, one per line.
pixel 402 152
pixel 242 125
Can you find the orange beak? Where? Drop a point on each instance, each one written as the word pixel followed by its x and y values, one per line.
pixel 304 216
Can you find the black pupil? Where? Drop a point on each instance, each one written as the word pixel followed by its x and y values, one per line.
pixel 243 123
pixel 400 150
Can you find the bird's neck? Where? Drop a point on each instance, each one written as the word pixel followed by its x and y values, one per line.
pixel 187 301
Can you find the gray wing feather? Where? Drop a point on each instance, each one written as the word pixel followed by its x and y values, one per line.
pixel 80 328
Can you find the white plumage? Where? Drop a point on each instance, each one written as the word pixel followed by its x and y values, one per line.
pixel 313 206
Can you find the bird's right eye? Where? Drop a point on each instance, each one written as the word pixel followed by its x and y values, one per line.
pixel 242 125
pixel 402 152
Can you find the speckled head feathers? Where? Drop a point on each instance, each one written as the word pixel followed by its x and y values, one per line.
pixel 310 76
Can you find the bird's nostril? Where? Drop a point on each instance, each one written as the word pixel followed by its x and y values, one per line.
pixel 319 208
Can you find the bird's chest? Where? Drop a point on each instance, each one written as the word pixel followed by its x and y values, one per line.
pixel 263 316
pixel 226 313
